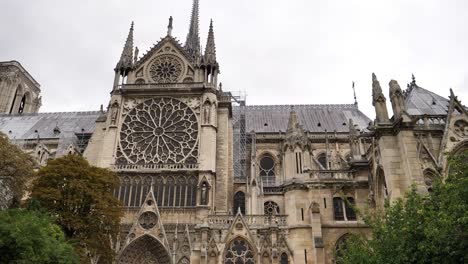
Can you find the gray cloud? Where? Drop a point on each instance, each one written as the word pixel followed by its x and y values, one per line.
pixel 278 52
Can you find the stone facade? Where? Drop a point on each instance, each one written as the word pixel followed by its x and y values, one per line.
pixel 19 92
pixel 206 178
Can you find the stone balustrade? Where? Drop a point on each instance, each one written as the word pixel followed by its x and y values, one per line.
pixel 146 86
pixel 152 167
pixel 331 175
pixel 430 120
pixel 221 221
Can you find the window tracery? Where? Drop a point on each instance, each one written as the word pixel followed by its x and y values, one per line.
pixel 267 170
pixel 271 208
pixel 169 191
pixel 159 130
pixel 239 252
pixel 165 69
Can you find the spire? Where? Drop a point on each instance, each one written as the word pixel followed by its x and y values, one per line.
pixel 293 122
pixel 192 44
pixel 126 59
pixel 210 50
pixel 378 101
pixel 169 27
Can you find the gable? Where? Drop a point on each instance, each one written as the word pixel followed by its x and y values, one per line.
pixel 166 62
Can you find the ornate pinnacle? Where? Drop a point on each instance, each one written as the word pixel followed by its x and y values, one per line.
pixel 293 122
pixel 210 50
pixel 376 89
pixel 192 44
pixel 169 27
pixel 413 79
pixel 394 87
pixel 125 63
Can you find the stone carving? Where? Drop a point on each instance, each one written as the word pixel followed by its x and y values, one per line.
pixel 204 194
pixel 271 208
pixel 114 113
pixel 461 128
pixel 165 69
pixel 207 112
pixel 160 130
pixel 148 220
pixel 147 250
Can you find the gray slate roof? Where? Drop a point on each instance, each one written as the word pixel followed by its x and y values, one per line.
pixel 274 118
pixel 420 101
pixel 23 126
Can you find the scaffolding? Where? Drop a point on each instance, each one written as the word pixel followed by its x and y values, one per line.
pixel 239 134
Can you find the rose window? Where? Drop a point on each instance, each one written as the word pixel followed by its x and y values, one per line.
pixel 239 252
pixel 159 131
pixel 165 69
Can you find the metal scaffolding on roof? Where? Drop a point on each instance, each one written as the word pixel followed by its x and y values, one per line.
pixel 239 134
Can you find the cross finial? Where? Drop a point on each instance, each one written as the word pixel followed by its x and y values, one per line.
pixel 355 98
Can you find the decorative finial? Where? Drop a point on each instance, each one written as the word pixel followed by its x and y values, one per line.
pixel 413 79
pixel 125 63
pixel 210 51
pixel 169 27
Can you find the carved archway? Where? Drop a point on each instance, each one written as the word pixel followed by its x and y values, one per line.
pixel 145 250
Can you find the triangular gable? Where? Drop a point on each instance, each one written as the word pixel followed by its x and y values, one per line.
pixel 148 222
pixel 239 228
pixel 168 39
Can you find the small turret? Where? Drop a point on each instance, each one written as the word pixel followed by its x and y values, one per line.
pixel 210 49
pixel 378 101
pixel 125 64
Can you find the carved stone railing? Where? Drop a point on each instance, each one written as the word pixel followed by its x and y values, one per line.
pixel 164 86
pixel 250 220
pixel 273 189
pixel 331 175
pixel 427 120
pixel 152 167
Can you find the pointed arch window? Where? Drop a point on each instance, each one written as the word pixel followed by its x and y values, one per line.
pixel 284 258
pixel 340 245
pixel 267 170
pixel 429 178
pixel 239 203
pixel 239 252
pixel 322 159
pixel 343 211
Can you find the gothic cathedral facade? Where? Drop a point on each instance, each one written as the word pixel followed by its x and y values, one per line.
pixel 206 178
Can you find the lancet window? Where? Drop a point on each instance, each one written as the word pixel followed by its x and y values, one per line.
pixel 169 191
pixel 239 203
pixel 267 170
pixel 343 211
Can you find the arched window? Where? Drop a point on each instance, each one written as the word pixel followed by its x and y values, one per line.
pixel 284 258
pixel 340 245
pixel 343 211
pixel 322 159
pixel 239 203
pixel 338 210
pixel 271 208
pixel 192 192
pixel 267 170
pixel 22 104
pixel 239 252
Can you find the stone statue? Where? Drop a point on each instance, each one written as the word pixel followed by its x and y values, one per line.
pixel 204 194
pixel 207 112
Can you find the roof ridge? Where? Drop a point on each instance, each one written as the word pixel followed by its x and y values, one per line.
pixel 51 113
pixel 305 105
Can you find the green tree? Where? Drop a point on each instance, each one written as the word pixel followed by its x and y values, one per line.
pixel 16 170
pixel 80 196
pixel 431 228
pixel 31 237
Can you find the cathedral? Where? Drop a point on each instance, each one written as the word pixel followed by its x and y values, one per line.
pixel 206 178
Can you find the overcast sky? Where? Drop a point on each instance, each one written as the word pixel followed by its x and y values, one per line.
pixel 277 51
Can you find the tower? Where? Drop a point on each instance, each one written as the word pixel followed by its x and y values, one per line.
pixel 168 129
pixel 19 91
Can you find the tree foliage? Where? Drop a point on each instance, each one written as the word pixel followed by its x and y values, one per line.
pixel 16 170
pixel 431 228
pixel 31 237
pixel 80 196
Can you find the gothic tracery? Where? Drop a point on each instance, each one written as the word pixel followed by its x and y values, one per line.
pixel 165 69
pixel 160 130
